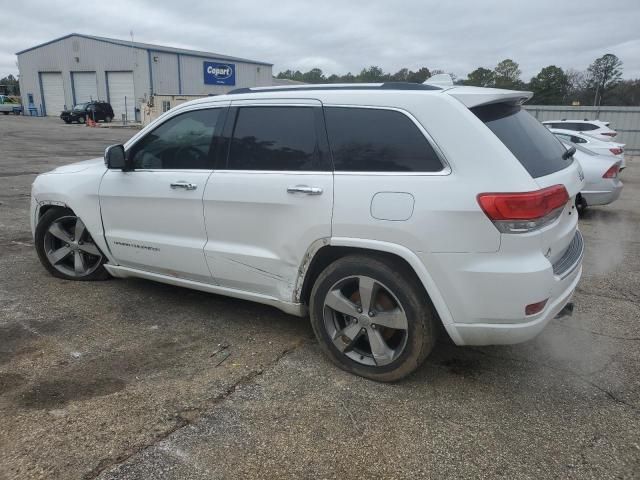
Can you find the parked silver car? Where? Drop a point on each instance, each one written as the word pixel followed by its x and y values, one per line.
pixel 602 185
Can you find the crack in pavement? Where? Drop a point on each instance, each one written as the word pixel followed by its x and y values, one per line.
pixel 615 337
pixel 633 298
pixel 184 421
pixel 602 389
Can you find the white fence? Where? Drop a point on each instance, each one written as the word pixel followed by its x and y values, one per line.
pixel 624 120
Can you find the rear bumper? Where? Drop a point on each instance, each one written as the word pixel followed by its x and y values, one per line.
pixel 504 334
pixel 603 194
pixel 486 294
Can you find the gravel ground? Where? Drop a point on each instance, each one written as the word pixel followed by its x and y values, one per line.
pixel 127 379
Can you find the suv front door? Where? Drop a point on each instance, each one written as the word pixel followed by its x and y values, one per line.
pixel 152 215
pixel 270 197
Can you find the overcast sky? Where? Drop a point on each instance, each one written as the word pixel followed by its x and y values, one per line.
pixel 343 35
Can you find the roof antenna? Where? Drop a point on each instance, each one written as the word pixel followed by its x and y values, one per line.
pixel 439 80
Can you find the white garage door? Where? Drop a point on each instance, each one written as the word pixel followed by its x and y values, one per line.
pixel 53 92
pixel 121 88
pixel 85 86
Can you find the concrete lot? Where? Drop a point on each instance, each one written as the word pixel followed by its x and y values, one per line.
pixel 129 379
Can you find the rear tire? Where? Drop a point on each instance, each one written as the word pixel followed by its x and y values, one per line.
pixel 385 339
pixel 65 247
pixel 108 119
pixel 581 205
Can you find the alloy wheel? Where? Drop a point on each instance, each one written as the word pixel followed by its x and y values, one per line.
pixel 365 321
pixel 70 249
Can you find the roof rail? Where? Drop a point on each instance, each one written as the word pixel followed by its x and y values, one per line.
pixel 341 86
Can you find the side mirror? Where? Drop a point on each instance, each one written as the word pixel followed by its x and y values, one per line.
pixel 115 158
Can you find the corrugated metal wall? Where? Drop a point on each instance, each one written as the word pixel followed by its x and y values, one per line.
pixel 79 54
pixel 624 120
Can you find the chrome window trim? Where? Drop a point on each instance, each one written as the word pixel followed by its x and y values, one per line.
pixel 284 172
pixel 446 166
pixel 174 170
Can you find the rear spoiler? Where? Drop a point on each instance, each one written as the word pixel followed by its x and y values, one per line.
pixel 476 96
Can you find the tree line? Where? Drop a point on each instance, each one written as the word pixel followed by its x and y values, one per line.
pixel 600 84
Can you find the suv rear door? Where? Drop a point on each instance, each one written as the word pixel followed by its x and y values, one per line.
pixel 270 196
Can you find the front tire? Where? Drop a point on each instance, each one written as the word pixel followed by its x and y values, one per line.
pixel 372 318
pixel 81 120
pixel 65 247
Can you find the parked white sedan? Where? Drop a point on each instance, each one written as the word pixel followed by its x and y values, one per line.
pixel 593 144
pixel 602 185
pixel 595 128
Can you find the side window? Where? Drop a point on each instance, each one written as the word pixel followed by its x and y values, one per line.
pixel 377 140
pixel 578 140
pixel 587 127
pixel 182 142
pixel 277 138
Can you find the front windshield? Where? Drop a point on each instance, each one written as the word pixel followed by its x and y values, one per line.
pixel 79 107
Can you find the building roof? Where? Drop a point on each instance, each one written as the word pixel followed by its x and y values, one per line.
pixel 150 46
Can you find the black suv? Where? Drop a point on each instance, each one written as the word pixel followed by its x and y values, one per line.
pixel 94 110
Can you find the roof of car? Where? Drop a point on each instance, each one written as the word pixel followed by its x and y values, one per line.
pixel 569 132
pixel 469 96
pixel 565 120
pixel 336 86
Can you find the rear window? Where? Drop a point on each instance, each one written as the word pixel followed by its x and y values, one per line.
pixel 531 143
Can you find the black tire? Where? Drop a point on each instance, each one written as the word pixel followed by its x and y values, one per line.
pixel 81 120
pixel 51 216
pixel 6 113
pixel 581 205
pixel 108 119
pixel 403 284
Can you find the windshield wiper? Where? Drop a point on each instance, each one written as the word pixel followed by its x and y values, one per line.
pixel 569 153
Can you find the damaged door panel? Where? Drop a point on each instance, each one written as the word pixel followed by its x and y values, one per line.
pixel 270 197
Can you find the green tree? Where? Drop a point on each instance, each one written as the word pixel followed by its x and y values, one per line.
pixel 314 75
pixel 419 76
pixel 401 75
pixel 481 77
pixel 605 72
pixel 371 75
pixel 9 85
pixel 507 75
pixel 625 93
pixel 549 87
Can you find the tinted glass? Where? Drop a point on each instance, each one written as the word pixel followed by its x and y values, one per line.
pixel 530 142
pixel 276 138
pixel 376 140
pixel 182 142
pixel 578 139
pixel 586 127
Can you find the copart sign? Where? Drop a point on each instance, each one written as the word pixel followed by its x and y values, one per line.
pixel 219 73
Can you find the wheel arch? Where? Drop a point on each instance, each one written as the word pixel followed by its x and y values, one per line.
pixel 95 229
pixel 339 247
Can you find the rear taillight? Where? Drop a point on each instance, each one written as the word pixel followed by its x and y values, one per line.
pixel 612 172
pixel 524 211
pixel 609 134
pixel 616 150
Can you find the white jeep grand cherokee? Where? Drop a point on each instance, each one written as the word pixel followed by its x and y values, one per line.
pixel 381 210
